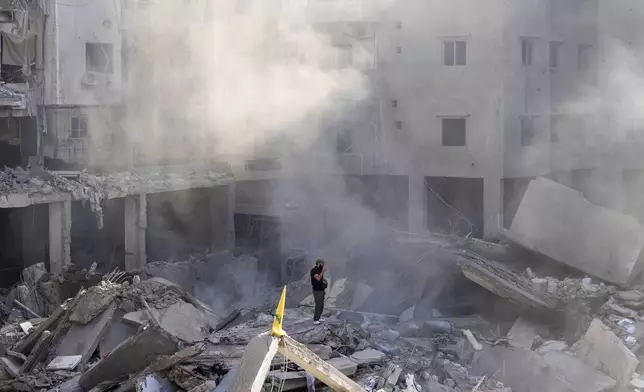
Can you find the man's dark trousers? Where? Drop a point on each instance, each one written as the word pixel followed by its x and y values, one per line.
pixel 318 295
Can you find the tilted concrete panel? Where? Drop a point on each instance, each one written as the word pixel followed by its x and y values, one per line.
pixel 559 222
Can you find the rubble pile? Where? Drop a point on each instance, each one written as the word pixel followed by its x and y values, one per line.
pixel 185 326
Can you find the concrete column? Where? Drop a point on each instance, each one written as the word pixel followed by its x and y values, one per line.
pixel 222 214
pixel 136 223
pixel 492 207
pixel 60 239
pixel 417 207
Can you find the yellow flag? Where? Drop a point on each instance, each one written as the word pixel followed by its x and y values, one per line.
pixel 279 316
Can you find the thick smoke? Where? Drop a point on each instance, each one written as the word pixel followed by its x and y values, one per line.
pixel 239 80
pixel 601 147
pixel 226 79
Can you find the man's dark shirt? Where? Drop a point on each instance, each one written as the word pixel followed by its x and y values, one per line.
pixel 318 285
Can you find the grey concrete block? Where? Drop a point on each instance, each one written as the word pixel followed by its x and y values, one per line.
pixel 559 222
pixel 367 357
pixel 131 356
pixel 526 371
pixel 603 350
pixel 83 339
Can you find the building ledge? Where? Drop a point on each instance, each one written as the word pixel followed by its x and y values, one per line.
pixel 21 188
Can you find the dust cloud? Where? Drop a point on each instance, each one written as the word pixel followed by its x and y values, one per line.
pixel 246 80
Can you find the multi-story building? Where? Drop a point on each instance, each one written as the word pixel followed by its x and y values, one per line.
pixel 67 104
pixel 469 101
pixel 459 105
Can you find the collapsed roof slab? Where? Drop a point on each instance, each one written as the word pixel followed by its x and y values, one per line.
pixel 91 187
pixel 559 222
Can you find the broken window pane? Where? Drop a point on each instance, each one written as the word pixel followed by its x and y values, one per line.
pixel 99 57
pixel 454 132
pixel 527 130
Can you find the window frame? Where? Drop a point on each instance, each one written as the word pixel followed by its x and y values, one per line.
pixel 82 125
pixel 444 131
pixel 527 51
pixel 99 46
pixel 454 41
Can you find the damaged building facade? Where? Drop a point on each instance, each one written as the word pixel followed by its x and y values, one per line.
pixel 64 98
pixel 456 124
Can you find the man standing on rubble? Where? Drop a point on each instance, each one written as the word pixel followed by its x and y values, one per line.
pixel 319 285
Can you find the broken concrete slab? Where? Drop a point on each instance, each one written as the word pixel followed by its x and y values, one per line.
pixel 526 371
pixel 500 280
pixel 551 345
pixel 83 339
pixel 225 383
pixel 560 223
pixel 185 322
pixel 255 364
pixel 116 333
pixel 522 333
pixel 95 300
pixel 70 385
pixel 68 362
pixel 603 350
pixel 139 318
pixel 344 365
pixel 407 315
pixel 162 363
pixel 12 367
pixel 367 357
pixel 131 356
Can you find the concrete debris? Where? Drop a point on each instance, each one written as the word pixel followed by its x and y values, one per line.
pixel 18 186
pixel 95 301
pixel 407 315
pixel 154 330
pixel 526 371
pixel 68 362
pixel 84 339
pixel 186 322
pixel 602 349
pixel 523 333
pixel 560 223
pixel 367 357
